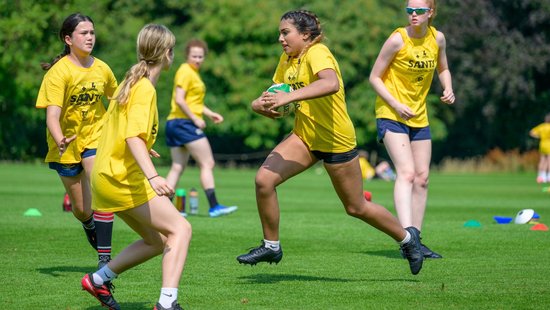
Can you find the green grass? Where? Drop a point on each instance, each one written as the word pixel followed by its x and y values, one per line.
pixel 332 261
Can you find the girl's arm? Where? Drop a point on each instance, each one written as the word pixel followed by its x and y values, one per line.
pixel 444 72
pixel 215 117
pixel 326 84
pixel 387 53
pixel 138 149
pixel 53 113
pixel 182 104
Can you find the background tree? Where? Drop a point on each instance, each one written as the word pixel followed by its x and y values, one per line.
pixel 498 53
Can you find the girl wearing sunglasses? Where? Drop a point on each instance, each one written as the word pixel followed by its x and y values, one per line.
pixel 402 76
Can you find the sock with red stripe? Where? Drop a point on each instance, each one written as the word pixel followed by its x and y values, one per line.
pixel 104 231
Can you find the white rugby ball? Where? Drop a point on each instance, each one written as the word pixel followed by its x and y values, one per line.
pixel 524 216
pixel 286 109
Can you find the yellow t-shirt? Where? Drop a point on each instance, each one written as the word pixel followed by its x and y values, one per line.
pixel 367 171
pixel 188 79
pixel 322 123
pixel 409 77
pixel 78 91
pixel 117 180
pixel 543 132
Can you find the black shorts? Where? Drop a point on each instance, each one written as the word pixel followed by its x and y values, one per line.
pixel 335 158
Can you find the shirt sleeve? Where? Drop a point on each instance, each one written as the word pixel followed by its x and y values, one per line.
pixel 111 85
pixel 183 79
pixel 52 90
pixel 139 108
pixel 278 76
pixel 319 59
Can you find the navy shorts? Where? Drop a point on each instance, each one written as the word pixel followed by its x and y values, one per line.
pixel 335 158
pixel 71 170
pixel 415 134
pixel 181 131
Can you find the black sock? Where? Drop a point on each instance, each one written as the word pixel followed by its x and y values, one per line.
pixel 89 223
pixel 104 231
pixel 211 196
pixel 89 229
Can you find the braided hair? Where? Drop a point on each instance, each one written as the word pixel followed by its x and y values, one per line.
pixel 305 22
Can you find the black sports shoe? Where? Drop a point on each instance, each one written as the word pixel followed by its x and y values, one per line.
pixel 101 292
pixel 261 254
pixel 175 306
pixel 412 251
pixel 428 253
pixel 92 238
pixel 425 251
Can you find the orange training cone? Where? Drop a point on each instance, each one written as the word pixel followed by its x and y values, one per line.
pixel 540 227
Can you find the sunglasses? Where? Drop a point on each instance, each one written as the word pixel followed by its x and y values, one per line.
pixel 418 11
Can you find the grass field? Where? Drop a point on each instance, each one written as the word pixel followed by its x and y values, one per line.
pixel 332 261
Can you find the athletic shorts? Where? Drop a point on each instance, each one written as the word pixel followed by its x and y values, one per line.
pixel 181 131
pixel 335 158
pixel 71 170
pixel 415 134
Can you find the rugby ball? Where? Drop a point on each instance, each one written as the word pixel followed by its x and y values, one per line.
pixel 524 216
pixel 281 87
pixel 286 109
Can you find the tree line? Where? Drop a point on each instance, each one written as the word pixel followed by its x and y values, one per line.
pixel 498 55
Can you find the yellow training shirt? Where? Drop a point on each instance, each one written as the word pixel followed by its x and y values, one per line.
pixel 543 131
pixel 188 79
pixel 322 123
pixel 78 92
pixel 409 77
pixel 117 180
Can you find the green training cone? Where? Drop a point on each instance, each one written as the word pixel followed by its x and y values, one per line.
pixel 472 223
pixel 32 212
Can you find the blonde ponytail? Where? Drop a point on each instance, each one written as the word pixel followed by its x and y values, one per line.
pixel 133 75
pixel 153 42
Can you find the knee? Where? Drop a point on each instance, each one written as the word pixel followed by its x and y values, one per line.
pixel 207 164
pixel 408 176
pixel 263 185
pixel 421 180
pixel 185 232
pixel 358 211
pixel 186 229
pixel 177 168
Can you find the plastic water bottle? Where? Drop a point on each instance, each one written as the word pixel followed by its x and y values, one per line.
pixel 193 201
pixel 67 206
pixel 180 201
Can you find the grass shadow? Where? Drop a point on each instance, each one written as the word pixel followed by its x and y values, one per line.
pixel 384 253
pixel 56 271
pixel 127 306
pixel 264 278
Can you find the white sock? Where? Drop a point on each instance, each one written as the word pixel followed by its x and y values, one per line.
pixel 103 275
pixel 167 296
pixel 274 245
pixel 407 238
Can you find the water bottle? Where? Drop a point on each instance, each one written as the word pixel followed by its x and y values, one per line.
pixel 67 206
pixel 193 201
pixel 180 201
